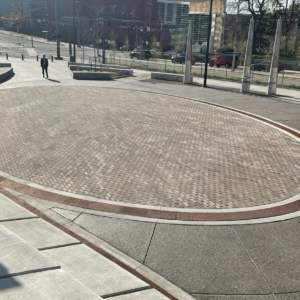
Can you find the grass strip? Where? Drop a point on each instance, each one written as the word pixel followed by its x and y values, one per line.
pixel 291 86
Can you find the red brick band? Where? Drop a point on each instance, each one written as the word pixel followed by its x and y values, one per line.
pixel 152 213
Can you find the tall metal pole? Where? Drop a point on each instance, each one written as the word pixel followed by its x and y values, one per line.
pixel 57 29
pixel 103 42
pixel 207 44
pixel 74 32
pixel 235 34
pixel 78 27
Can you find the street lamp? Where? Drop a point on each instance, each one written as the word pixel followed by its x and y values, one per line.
pixel 57 31
pixel 74 32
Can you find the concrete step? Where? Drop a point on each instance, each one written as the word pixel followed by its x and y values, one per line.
pixel 49 257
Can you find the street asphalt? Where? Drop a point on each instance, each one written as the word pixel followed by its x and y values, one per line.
pixel 207 261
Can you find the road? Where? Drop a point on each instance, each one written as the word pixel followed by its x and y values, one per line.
pixel 15 45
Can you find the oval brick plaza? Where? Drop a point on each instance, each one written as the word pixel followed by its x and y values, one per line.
pixel 144 148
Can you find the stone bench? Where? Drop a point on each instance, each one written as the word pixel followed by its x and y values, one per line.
pixel 167 76
pixel 92 75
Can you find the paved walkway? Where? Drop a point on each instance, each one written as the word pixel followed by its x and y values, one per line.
pixel 144 150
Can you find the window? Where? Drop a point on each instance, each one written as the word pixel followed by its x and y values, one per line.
pixel 112 8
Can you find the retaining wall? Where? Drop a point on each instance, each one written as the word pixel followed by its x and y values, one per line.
pixel 6 74
pixel 122 72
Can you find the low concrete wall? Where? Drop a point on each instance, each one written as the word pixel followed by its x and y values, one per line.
pixel 97 65
pixel 123 72
pixel 7 74
pixel 5 65
pixel 92 75
pixel 167 76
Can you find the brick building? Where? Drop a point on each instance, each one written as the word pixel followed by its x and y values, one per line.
pixel 121 16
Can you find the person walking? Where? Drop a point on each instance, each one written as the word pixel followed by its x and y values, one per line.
pixel 44 65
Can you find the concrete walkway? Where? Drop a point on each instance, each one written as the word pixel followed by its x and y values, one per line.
pixel 255 259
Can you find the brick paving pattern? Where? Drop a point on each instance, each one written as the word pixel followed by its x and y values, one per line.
pixel 143 148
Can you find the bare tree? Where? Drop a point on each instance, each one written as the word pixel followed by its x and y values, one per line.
pixel 177 43
pixel 289 21
pixel 113 42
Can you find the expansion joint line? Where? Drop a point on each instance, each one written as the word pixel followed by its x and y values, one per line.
pixel 252 260
pixel 149 243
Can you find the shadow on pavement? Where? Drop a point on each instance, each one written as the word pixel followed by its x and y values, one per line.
pixel 52 80
pixel 6 282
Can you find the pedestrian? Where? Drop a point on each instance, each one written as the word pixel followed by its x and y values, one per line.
pixel 44 65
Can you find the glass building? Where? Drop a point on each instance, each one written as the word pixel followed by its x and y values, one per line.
pixel 7 6
pixel 175 15
pixel 200 27
pixel 34 9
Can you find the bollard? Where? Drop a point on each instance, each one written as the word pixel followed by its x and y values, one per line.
pixel 282 77
pixel 22 57
pixel 165 64
pixel 37 58
pixel 226 72
pixel 6 56
pixel 201 67
pixel 52 58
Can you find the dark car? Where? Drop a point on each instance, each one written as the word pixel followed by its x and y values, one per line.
pixel 265 66
pixel 140 54
pixel 180 58
pixel 127 48
pixel 168 54
pixel 157 53
pixel 224 60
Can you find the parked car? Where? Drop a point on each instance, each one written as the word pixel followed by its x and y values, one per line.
pixel 127 48
pixel 140 54
pixel 224 60
pixel 181 59
pixel 156 53
pixel 265 66
pixel 168 54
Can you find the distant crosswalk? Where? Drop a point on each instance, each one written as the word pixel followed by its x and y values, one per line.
pixel 292 99
pixel 31 52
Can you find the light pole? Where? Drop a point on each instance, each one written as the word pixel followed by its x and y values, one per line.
pixel 74 31
pixel 207 44
pixel 57 30
pixel 235 33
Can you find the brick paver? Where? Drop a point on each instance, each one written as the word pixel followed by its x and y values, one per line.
pixel 144 148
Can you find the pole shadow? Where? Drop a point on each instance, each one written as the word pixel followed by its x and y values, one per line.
pixel 7 282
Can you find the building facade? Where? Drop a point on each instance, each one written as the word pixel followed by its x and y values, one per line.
pixel 175 16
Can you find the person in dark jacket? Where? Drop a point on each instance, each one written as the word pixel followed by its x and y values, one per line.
pixel 44 65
